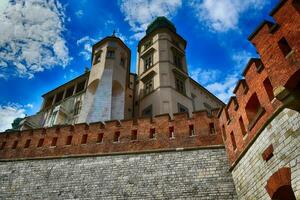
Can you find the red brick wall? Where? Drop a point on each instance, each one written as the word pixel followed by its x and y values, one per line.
pixel 181 123
pixel 277 68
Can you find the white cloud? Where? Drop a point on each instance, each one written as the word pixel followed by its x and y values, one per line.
pixel 10 112
pixel 79 13
pixel 86 43
pixel 223 15
pixel 204 76
pixel 139 13
pixel 31 37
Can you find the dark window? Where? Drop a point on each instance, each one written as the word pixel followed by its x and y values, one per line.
pixel 147 44
pixel 224 132
pixel 69 140
pixel 191 130
pixel 171 132
pixel 284 46
pixel 97 58
pixel 117 136
pixel 252 107
pixel 70 91
pixel 242 125
pixel 212 129
pixel 84 139
pixel 2 145
pixel 77 107
pixel 100 138
pixel 152 133
pixel 269 88
pixel 59 96
pixel 233 140
pixel 147 112
pixel 15 144
pixel 148 62
pixel 80 86
pixel 54 141
pixel 27 143
pixel 180 86
pixel 41 142
pixel 48 101
pixel 178 60
pixel 110 54
pixel 148 86
pixel 134 134
pixel 122 62
pixel 182 108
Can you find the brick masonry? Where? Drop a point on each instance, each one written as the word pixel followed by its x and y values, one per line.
pixel 194 174
pixel 252 171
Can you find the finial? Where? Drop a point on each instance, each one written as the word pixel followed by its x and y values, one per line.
pixel 114 33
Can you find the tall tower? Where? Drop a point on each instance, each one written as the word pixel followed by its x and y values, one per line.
pixel 163 81
pixel 108 83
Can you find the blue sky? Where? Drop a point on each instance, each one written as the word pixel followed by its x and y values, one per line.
pixel 46 43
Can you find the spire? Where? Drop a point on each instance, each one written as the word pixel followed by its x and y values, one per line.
pixel 114 33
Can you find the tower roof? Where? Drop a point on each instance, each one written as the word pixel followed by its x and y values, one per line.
pixel 160 22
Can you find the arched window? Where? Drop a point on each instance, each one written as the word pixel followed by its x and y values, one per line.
pixel 77 107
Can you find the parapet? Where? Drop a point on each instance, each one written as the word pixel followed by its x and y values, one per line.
pixel 270 82
pixel 114 137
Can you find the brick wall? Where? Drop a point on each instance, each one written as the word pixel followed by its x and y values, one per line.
pixel 196 174
pixel 252 172
pixel 113 137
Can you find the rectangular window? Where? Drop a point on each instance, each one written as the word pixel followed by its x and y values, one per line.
pixel 269 88
pixel 70 91
pixel 152 133
pixel 110 54
pixel 84 139
pixel 80 86
pixel 180 86
pixel 178 60
pixel 15 144
pixel 148 86
pixel 212 129
pixel 233 141
pixel 182 108
pixel 59 97
pixel 97 58
pixel 2 145
pixel 69 140
pixel 100 138
pixel 77 107
pixel 242 125
pixel 117 136
pixel 122 62
pixel 27 143
pixel 54 142
pixel 284 46
pixel 191 130
pixel 41 142
pixel 147 112
pixel 147 45
pixel 148 62
pixel 134 134
pixel 171 132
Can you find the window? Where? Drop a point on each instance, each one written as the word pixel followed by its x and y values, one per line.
pixel 100 138
pixel 27 143
pixel 97 58
pixel 177 60
pixel 15 144
pixel 54 142
pixel 284 46
pixel 41 142
pixel 84 139
pixel 243 129
pixel 182 108
pixel 147 112
pixel 212 129
pixel 77 107
pixel 233 141
pixel 147 44
pixel 122 62
pixel 148 62
pixel 110 54
pixel 180 86
pixel 152 133
pixel 48 101
pixel 70 91
pixel 69 140
pixel 52 118
pixel 252 108
pixel 80 86
pixel 2 145
pixel 224 132
pixel 191 130
pixel 59 97
pixel 134 134
pixel 171 132
pixel 117 136
pixel 148 86
pixel 269 88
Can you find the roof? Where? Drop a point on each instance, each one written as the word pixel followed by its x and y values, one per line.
pixel 252 60
pixel 160 22
pixel 265 22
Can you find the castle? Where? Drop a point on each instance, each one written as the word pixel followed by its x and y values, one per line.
pixel 158 134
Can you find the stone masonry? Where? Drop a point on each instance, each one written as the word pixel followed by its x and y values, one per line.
pixel 194 174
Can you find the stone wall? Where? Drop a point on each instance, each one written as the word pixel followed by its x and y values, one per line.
pixel 193 174
pixel 252 171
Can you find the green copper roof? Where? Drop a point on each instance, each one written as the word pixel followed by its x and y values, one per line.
pixel 160 22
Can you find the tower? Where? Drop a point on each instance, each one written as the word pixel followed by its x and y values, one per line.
pixel 108 83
